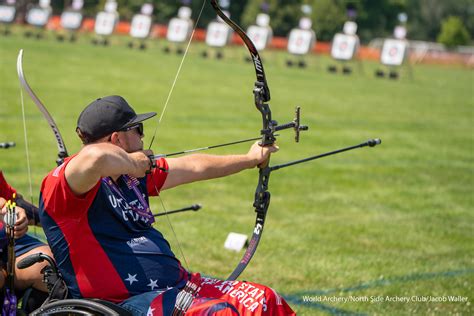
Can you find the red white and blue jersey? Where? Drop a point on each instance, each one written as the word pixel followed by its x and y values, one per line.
pixel 103 248
pixel 6 191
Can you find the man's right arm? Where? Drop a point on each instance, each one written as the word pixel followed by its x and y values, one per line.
pixel 99 160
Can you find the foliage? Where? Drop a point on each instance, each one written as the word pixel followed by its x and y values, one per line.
pixel 425 16
pixel 284 14
pixel 453 32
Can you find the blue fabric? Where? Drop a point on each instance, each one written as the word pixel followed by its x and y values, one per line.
pixel 22 245
pixel 138 305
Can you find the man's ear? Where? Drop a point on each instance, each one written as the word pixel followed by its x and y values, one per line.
pixel 114 138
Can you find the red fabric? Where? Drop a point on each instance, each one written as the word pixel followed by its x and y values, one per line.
pixel 157 178
pixel 229 298
pixel 6 191
pixel 70 214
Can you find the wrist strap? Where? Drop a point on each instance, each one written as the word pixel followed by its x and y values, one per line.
pixel 152 163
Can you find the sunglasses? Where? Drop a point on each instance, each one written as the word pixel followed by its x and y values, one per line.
pixel 138 126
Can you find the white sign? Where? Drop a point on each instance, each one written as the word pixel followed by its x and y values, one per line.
pixel 105 23
pixel 260 36
pixel 218 34
pixel 7 13
pixel 350 28
pixel 179 30
pixel 400 32
pixel 44 3
pixel 110 6
pixel 263 19
pixel 77 4
pixel 300 42
pixel 38 16
pixel 393 52
pixel 235 241
pixel 141 26
pixel 344 46
pixel 184 13
pixel 147 9
pixel 71 20
pixel 305 23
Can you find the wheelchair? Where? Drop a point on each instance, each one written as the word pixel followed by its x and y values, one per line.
pixel 58 301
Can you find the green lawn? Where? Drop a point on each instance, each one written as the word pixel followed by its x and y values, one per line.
pixel 392 221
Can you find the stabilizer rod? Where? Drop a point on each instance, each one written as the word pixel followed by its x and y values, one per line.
pixel 194 207
pixel 370 143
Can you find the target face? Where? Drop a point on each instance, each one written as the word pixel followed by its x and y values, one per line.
pixel 7 13
pixel 218 34
pixel 393 52
pixel 300 42
pixel 105 23
pixel 344 46
pixel 37 16
pixel 260 36
pixel 71 20
pixel 179 30
pixel 141 26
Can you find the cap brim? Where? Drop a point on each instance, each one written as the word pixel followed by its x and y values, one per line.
pixel 140 118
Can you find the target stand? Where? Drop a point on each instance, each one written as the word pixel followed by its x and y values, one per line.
pixel 37 17
pixel 394 57
pixel 218 35
pixel 260 34
pixel 179 31
pixel 105 23
pixel 71 22
pixel 301 41
pixel 344 50
pixel 140 28
pixel 7 17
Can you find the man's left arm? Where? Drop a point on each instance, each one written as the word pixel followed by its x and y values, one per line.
pixel 200 167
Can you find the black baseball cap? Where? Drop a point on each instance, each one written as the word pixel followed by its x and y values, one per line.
pixel 107 115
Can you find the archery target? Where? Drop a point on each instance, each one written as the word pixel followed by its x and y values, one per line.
pixel 300 42
pixel 38 16
pixel 71 20
pixel 218 34
pixel 7 13
pixel 260 36
pixel 393 52
pixel 141 26
pixel 105 23
pixel 344 46
pixel 179 30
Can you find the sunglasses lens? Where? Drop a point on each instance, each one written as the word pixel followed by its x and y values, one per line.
pixel 140 129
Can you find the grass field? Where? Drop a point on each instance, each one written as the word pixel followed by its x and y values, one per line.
pixel 348 234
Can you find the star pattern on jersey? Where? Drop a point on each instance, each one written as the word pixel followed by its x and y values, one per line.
pixel 152 284
pixel 150 311
pixel 131 278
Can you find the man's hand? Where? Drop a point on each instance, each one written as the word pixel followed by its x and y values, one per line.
pixel 260 155
pixel 21 225
pixel 142 161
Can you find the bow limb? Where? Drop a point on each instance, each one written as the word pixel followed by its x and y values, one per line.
pixel 62 151
pixel 261 95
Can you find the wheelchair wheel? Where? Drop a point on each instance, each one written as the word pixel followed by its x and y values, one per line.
pixel 83 307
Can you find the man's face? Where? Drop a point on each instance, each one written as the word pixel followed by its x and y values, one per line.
pixel 131 138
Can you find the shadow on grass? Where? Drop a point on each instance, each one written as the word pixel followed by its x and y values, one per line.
pixel 298 298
